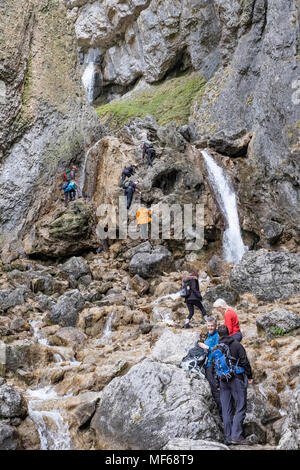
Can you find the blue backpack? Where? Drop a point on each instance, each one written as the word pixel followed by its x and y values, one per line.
pixel 224 363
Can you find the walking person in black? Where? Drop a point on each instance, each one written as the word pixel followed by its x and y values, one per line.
pixel 129 192
pixel 194 297
pixel 149 151
pixel 127 172
pixel 233 393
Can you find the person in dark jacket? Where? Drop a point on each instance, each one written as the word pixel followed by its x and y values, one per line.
pixel 233 393
pixel 193 298
pixel 129 192
pixel 211 341
pixel 149 151
pixel 127 173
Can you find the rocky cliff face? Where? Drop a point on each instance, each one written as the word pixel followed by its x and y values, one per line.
pixel 45 121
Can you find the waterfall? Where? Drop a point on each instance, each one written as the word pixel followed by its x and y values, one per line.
pixel 233 245
pixel 106 337
pixel 90 73
pixel 83 169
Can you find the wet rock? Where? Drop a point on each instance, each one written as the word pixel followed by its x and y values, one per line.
pixel 76 267
pixel 84 411
pixel 68 336
pixel 268 275
pixel 112 299
pixel 140 285
pixel 9 438
pixel 23 354
pixel 151 264
pixel 279 319
pixel 65 312
pixel 12 403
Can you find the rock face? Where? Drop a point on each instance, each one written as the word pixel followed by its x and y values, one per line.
pixel 45 121
pixel 278 319
pixel 150 264
pixel 290 439
pixel 128 417
pixel 268 275
pixel 9 439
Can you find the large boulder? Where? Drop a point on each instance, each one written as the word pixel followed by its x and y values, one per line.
pixel 76 267
pixel 150 264
pixel 152 403
pixel 64 232
pixel 65 312
pixel 12 403
pixel 268 275
pixel 279 319
pixel 9 439
pixel 12 298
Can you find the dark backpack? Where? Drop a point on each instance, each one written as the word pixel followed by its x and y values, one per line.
pixel 195 360
pixel 64 186
pixel 224 363
pixel 67 176
pixel 185 289
pixel 126 184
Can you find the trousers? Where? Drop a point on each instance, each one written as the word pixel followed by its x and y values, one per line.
pixel 233 396
pixel 191 308
pixel 209 375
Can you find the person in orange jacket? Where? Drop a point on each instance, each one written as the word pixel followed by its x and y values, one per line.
pixel 143 219
pixel 230 319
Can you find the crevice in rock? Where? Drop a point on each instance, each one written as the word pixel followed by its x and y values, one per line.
pixel 166 180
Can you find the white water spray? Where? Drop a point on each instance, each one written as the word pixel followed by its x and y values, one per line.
pixel 233 245
pixel 89 75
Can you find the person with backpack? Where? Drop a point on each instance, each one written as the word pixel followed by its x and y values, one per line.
pixel 211 341
pixel 191 293
pixel 233 373
pixel 70 191
pixel 148 150
pixel 230 319
pixel 127 173
pixel 130 189
pixel 70 175
pixel 143 219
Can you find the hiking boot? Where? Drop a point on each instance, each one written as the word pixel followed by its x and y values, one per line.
pixel 187 325
pixel 242 442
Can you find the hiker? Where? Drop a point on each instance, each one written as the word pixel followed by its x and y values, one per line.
pixel 70 175
pixel 193 297
pixel 211 341
pixel 129 192
pixel 233 385
pixel 230 319
pixel 127 172
pixel 70 191
pixel 143 219
pixel 149 151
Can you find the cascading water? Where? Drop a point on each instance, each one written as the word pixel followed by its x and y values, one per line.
pixel 106 337
pixel 90 74
pixel 233 245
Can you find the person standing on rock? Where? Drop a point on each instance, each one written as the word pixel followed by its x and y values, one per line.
pixel 143 219
pixel 149 151
pixel 193 298
pixel 70 192
pixel 233 391
pixel 129 192
pixel 230 319
pixel 70 175
pixel 211 341
pixel 127 173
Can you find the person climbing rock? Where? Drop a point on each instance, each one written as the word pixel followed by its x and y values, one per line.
pixel 230 319
pixel 70 175
pixel 148 150
pixel 211 341
pixel 127 173
pixel 143 219
pixel 233 391
pixel 129 192
pixel 70 192
pixel 193 298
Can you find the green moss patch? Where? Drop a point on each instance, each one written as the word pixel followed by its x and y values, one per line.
pixel 167 102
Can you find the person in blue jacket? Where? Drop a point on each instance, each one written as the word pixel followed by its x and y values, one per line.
pixel 70 191
pixel 211 341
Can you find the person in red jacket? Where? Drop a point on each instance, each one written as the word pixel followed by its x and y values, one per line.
pixel 230 319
